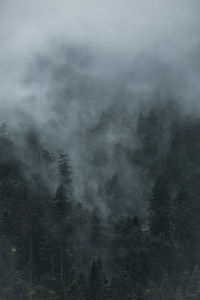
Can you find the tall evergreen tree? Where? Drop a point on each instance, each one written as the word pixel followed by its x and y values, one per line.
pixel 97 282
pixel 194 285
pixel 160 208
pixel 62 206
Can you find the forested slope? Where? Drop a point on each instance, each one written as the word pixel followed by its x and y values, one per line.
pixel 54 245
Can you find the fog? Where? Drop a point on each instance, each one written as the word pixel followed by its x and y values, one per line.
pixel 64 63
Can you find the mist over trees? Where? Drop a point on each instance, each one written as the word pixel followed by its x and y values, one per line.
pixel 99 150
pixel 55 245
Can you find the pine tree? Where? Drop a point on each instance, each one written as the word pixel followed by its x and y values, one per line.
pixel 160 208
pixel 97 282
pixel 96 231
pixel 194 285
pixel 181 229
pixel 62 207
pixel 65 176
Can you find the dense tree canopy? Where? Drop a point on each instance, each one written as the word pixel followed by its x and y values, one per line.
pixel 54 246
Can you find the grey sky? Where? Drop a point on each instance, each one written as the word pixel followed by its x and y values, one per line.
pixel 117 30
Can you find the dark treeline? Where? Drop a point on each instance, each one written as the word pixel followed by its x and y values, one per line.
pixel 52 246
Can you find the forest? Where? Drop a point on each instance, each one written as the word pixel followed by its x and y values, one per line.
pixel 99 150
pixel 54 245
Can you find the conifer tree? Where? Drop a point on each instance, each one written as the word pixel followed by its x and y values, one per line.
pixel 160 208
pixel 97 282
pixel 194 285
pixel 62 206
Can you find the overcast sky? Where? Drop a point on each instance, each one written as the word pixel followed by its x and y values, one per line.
pixel 115 29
